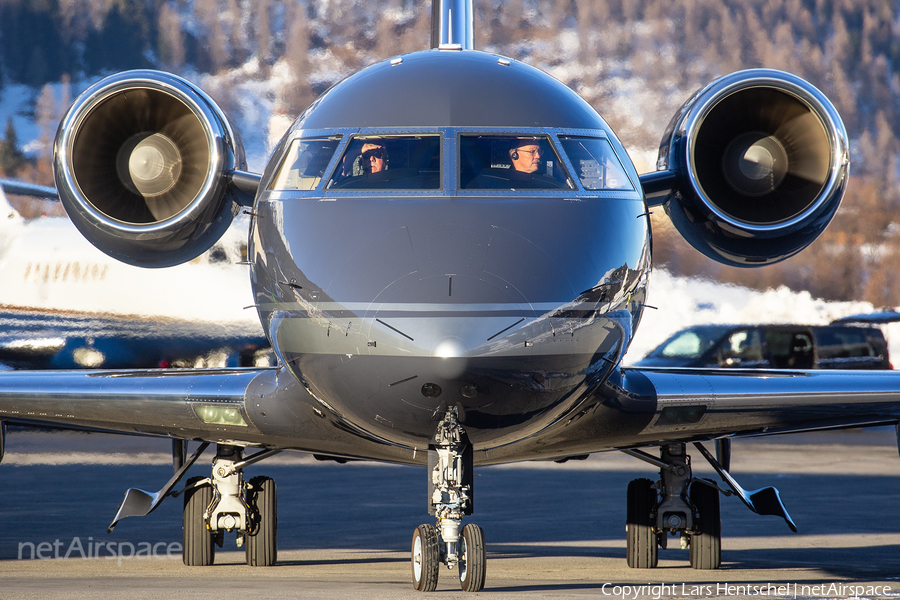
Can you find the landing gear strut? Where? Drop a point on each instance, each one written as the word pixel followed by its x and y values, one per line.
pixel 223 503
pixel 677 504
pixel 450 497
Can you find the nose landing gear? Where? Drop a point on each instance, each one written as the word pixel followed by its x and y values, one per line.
pixel 450 490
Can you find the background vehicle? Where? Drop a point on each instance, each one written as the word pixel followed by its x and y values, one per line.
pixel 773 347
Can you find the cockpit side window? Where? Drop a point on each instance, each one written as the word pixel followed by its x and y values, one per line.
pixel 402 162
pixel 304 164
pixel 595 163
pixel 522 162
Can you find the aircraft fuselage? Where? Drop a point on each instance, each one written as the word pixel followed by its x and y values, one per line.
pixel 509 309
pixel 422 290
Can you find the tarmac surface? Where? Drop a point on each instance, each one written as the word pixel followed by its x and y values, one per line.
pixel 552 531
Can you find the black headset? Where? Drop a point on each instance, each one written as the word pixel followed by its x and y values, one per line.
pixel 515 155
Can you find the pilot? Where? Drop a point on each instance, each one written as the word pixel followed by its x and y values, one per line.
pixel 525 156
pixel 374 157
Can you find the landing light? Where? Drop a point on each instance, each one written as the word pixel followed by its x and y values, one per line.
pixel 219 415
pixel 470 390
pixel 431 390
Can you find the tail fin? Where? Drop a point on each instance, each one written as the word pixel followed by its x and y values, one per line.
pixel 453 24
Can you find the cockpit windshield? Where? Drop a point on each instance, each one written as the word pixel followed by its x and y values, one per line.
pixel 305 163
pixel 488 161
pixel 595 163
pixel 402 162
pixel 494 162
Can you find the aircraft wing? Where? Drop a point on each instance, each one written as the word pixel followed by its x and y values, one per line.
pixel 650 407
pixel 242 406
pixel 267 407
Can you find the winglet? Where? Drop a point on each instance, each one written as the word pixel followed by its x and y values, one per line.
pixel 764 501
pixel 138 503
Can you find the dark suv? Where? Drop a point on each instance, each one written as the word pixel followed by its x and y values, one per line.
pixel 773 347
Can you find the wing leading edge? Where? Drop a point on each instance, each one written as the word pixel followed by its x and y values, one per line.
pixel 652 407
pixel 710 403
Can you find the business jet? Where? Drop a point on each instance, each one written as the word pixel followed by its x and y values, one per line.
pixel 450 254
pixel 66 304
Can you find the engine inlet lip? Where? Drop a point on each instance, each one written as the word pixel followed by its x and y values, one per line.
pixel 218 134
pixel 788 84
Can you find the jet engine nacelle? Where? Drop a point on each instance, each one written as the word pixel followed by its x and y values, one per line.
pixel 142 162
pixel 761 160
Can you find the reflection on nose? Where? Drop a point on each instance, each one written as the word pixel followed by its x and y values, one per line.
pixel 450 347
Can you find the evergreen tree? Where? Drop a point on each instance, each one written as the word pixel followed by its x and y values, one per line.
pixel 11 158
pixel 120 42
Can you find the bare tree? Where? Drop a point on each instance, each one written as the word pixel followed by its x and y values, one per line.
pixel 171 38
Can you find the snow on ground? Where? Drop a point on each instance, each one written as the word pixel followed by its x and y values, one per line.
pixel 683 301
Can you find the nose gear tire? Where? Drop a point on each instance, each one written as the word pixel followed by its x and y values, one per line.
pixel 472 558
pixel 426 558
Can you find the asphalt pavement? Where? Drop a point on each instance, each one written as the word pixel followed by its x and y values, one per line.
pixel 552 531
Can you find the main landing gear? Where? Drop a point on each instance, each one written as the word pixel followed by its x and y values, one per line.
pixel 678 505
pixel 450 492
pixel 214 505
pixel 224 503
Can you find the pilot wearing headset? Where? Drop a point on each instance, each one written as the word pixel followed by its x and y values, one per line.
pixel 525 156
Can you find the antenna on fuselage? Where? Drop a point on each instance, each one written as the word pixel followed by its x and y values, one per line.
pixel 453 25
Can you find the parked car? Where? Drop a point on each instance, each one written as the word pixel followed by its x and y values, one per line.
pixel 773 347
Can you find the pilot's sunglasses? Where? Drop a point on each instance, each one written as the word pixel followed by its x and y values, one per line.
pixel 531 152
pixel 370 154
